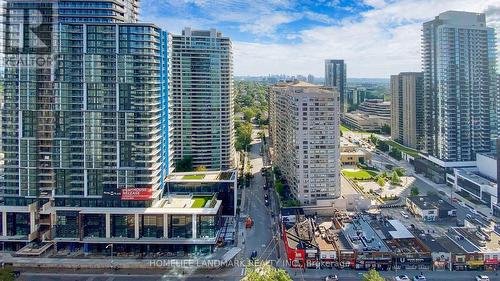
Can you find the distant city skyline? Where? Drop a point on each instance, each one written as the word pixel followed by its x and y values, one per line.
pixel 376 38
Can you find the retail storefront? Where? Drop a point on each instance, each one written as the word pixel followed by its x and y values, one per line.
pixel 378 263
pixel 491 264
pixel 402 262
pixel 475 265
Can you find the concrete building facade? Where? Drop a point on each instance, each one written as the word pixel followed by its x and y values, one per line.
pixel 407 109
pixel 305 127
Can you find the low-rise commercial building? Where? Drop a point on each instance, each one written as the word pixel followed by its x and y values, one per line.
pixel 407 251
pixel 222 183
pixel 430 208
pixel 371 250
pixel 351 154
pixel 479 182
pixel 187 224
pixel 365 122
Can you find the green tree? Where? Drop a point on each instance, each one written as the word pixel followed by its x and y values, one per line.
pixel 264 271
pixel 395 178
pixel 280 187
pixel 381 181
pixel 400 171
pixel 243 136
pixel 6 274
pixel 382 146
pixel 396 153
pixel 414 191
pixel 248 114
pixel 373 275
pixel 386 129
pixel 184 165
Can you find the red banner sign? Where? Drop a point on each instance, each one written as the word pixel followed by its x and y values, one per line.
pixel 137 194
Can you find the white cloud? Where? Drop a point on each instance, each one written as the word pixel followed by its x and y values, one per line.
pixel 386 40
pixel 266 24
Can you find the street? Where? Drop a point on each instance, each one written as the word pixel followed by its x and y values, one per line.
pixel 345 275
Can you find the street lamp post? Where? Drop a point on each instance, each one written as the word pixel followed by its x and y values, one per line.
pixel 111 247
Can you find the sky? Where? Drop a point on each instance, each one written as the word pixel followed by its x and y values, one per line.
pixel 376 38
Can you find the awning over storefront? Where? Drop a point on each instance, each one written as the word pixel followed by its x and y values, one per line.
pixel 475 263
pixel 491 261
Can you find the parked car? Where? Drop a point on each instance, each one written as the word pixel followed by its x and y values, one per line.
pixel 405 215
pixel 401 278
pixel 266 202
pixel 266 196
pixel 419 278
pixel 331 278
pixel 482 278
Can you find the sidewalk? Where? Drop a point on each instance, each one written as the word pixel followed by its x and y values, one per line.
pixel 214 260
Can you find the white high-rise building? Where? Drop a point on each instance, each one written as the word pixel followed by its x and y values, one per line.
pixel 203 99
pixel 304 127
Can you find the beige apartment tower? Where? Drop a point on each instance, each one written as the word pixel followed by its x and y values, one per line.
pixel 304 127
pixel 407 109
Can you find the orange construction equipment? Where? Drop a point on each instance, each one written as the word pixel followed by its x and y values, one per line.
pixel 249 222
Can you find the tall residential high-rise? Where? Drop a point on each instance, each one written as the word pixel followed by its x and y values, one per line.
pixel 304 124
pixel 310 78
pixel 458 97
pixel 67 11
pixel 407 109
pixel 86 139
pixel 203 99
pixel 335 77
pixel 494 88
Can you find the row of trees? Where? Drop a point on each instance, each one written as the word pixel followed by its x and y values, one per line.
pixel 383 146
pixel 264 271
pixel 394 177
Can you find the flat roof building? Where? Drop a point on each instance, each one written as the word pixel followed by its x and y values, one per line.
pixel 304 125
pixel 430 208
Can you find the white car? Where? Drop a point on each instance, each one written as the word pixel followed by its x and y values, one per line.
pixel 405 215
pixel 419 278
pixel 401 278
pixel 331 278
pixel 474 211
pixel 482 278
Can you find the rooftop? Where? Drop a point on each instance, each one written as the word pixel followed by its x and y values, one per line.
pixel 448 244
pixel 472 174
pixel 430 241
pixel 426 202
pixel 460 240
pixel 362 237
pixel 205 176
pixel 481 240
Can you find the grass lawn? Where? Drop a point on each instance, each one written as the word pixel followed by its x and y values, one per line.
pixel 193 177
pixel 199 202
pixel 360 174
pixel 344 129
pixel 404 149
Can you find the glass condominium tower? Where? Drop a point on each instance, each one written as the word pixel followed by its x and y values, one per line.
pixel 459 96
pixel 203 99
pixel 94 120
